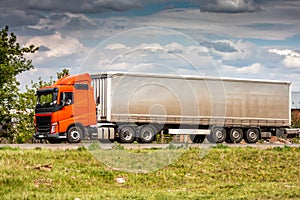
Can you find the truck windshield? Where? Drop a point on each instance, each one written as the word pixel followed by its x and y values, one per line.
pixel 46 99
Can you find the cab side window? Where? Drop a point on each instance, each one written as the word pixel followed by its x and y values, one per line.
pixel 68 98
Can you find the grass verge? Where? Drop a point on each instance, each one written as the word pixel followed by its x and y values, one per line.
pixel 224 173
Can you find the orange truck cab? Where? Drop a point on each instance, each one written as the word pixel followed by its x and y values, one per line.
pixel 65 109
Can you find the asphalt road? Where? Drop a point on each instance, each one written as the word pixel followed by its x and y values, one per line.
pixel 64 146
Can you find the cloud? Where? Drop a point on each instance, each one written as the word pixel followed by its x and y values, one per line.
pixel 54 46
pixel 16 17
pixel 281 23
pixel 170 58
pixel 67 30
pixel 232 50
pixel 231 6
pixel 36 12
pixel 291 59
pixel 92 6
pixel 116 46
pixel 253 69
pixel 221 46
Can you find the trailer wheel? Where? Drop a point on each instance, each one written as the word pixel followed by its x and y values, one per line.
pixel 74 134
pixel 252 135
pixel 127 134
pixel 197 138
pixel 147 134
pixel 217 135
pixel 235 135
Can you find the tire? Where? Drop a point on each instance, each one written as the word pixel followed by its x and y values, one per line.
pixel 147 134
pixel 235 135
pixel 74 134
pixel 217 135
pixel 197 138
pixel 252 135
pixel 127 134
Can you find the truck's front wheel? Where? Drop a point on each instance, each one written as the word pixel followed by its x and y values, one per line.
pixel 74 134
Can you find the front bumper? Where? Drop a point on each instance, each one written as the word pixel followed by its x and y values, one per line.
pixel 39 135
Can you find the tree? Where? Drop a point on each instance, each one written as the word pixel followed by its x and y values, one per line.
pixel 63 73
pixel 25 117
pixel 12 63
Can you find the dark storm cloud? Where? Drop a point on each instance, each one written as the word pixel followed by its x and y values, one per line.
pixel 232 6
pixel 15 17
pixel 270 26
pixel 75 6
pixel 21 13
pixel 219 46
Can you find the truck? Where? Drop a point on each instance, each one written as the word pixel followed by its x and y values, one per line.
pixel 129 107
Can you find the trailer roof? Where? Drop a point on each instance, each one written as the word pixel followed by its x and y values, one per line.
pixel 191 77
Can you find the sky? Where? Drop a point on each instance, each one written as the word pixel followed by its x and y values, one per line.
pixel 252 39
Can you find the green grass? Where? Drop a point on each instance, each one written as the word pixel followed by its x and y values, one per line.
pixel 224 173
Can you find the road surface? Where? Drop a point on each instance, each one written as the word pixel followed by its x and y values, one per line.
pixel 64 146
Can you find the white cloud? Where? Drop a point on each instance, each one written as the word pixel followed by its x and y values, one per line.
pixel 284 52
pixel 115 46
pixel 232 6
pixel 253 69
pixel 57 46
pixel 172 57
pixel 150 46
pixel 291 59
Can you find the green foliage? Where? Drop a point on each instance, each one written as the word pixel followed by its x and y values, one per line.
pixel 220 146
pixel 118 146
pixel 286 148
pixel 17 108
pixel 12 63
pixel 8 148
pixel 63 73
pixel 24 123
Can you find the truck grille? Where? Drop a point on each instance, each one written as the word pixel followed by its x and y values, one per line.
pixel 43 124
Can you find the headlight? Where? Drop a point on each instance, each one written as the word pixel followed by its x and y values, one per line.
pixel 54 128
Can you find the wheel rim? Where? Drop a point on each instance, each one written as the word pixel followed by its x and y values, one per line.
pixel 236 134
pixel 147 135
pixel 127 135
pixel 75 135
pixel 219 134
pixel 252 135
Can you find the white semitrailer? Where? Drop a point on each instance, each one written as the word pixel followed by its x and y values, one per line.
pixel 138 106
